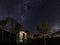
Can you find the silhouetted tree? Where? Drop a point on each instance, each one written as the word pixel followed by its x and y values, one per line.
pixel 2 22
pixel 10 24
pixel 18 27
pixel 44 28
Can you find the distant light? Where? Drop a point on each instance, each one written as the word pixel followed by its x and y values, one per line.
pixel 21 35
pixel 21 41
pixel 55 29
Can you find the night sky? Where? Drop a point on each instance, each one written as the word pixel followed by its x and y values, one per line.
pixel 32 12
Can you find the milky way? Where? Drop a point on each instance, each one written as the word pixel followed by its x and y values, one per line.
pixel 31 12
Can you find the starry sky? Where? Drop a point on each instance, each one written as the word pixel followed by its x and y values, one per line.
pixel 32 12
